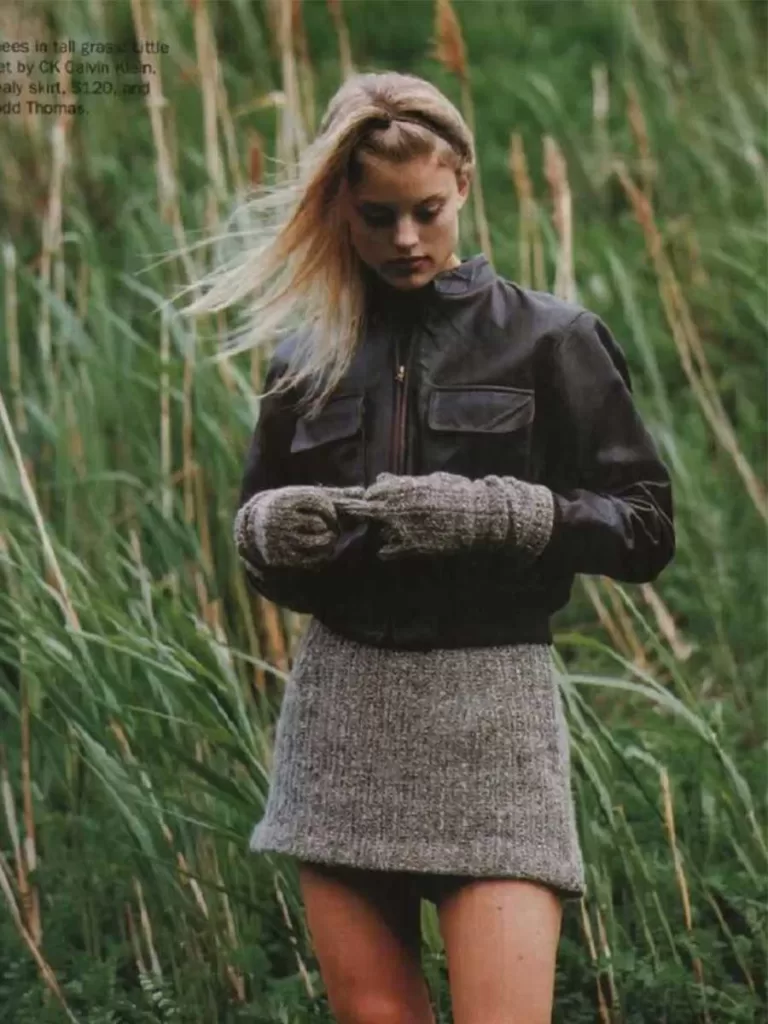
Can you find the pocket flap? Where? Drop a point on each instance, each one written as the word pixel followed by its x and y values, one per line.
pixel 341 416
pixel 480 408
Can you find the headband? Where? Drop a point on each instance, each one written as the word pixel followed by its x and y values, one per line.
pixel 384 121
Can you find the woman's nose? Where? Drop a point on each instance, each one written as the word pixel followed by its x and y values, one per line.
pixel 406 233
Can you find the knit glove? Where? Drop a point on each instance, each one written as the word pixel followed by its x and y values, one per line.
pixel 443 512
pixel 296 525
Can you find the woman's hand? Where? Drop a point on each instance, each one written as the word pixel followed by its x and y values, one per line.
pixel 443 512
pixel 296 525
pixel 424 515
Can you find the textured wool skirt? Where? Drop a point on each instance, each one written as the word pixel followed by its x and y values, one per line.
pixel 448 761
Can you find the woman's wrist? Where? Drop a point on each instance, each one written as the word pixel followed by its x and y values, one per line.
pixel 530 512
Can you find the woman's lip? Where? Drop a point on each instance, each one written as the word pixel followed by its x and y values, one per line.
pixel 407 263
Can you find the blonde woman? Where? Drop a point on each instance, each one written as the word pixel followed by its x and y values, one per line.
pixel 438 452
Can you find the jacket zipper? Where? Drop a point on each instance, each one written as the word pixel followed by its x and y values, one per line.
pixel 401 402
pixel 397 442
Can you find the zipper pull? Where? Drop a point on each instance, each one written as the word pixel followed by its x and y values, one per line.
pixel 400 375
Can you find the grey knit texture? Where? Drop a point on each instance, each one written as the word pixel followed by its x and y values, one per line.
pixel 295 525
pixel 446 761
pixel 530 513
pixel 298 525
pixel 444 512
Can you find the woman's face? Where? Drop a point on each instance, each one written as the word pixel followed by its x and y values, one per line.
pixel 399 211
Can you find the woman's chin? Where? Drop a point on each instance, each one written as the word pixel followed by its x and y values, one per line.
pixel 408 279
pixel 409 285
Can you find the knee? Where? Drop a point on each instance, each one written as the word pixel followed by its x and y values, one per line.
pixel 382 1010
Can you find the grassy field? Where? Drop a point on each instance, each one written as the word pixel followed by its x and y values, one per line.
pixel 622 162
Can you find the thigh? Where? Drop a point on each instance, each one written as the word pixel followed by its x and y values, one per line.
pixel 366 933
pixel 501 938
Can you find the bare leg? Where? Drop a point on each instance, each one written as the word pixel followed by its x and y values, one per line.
pixel 501 938
pixel 366 932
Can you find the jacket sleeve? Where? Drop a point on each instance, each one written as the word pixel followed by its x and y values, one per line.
pixel 266 468
pixel 615 517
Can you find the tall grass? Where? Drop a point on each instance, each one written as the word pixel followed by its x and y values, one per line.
pixel 622 150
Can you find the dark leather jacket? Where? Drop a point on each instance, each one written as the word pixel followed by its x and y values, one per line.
pixel 473 374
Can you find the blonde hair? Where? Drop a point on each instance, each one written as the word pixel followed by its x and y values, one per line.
pixel 299 259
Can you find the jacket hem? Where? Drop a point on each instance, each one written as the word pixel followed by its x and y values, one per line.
pixel 430 632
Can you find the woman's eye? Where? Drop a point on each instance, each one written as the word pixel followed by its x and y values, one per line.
pixel 379 220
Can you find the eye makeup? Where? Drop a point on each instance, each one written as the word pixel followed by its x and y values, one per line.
pixel 382 217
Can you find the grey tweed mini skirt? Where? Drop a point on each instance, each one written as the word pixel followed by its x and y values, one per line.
pixel 447 761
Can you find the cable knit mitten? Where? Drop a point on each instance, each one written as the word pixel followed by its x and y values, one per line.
pixel 296 525
pixel 443 512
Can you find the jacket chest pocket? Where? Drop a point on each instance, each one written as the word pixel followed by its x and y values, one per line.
pixel 327 449
pixel 478 430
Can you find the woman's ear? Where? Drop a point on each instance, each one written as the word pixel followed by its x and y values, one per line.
pixel 462 184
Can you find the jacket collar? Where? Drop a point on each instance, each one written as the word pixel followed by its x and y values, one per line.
pixel 471 276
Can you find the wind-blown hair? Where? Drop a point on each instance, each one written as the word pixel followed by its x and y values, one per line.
pixel 298 266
